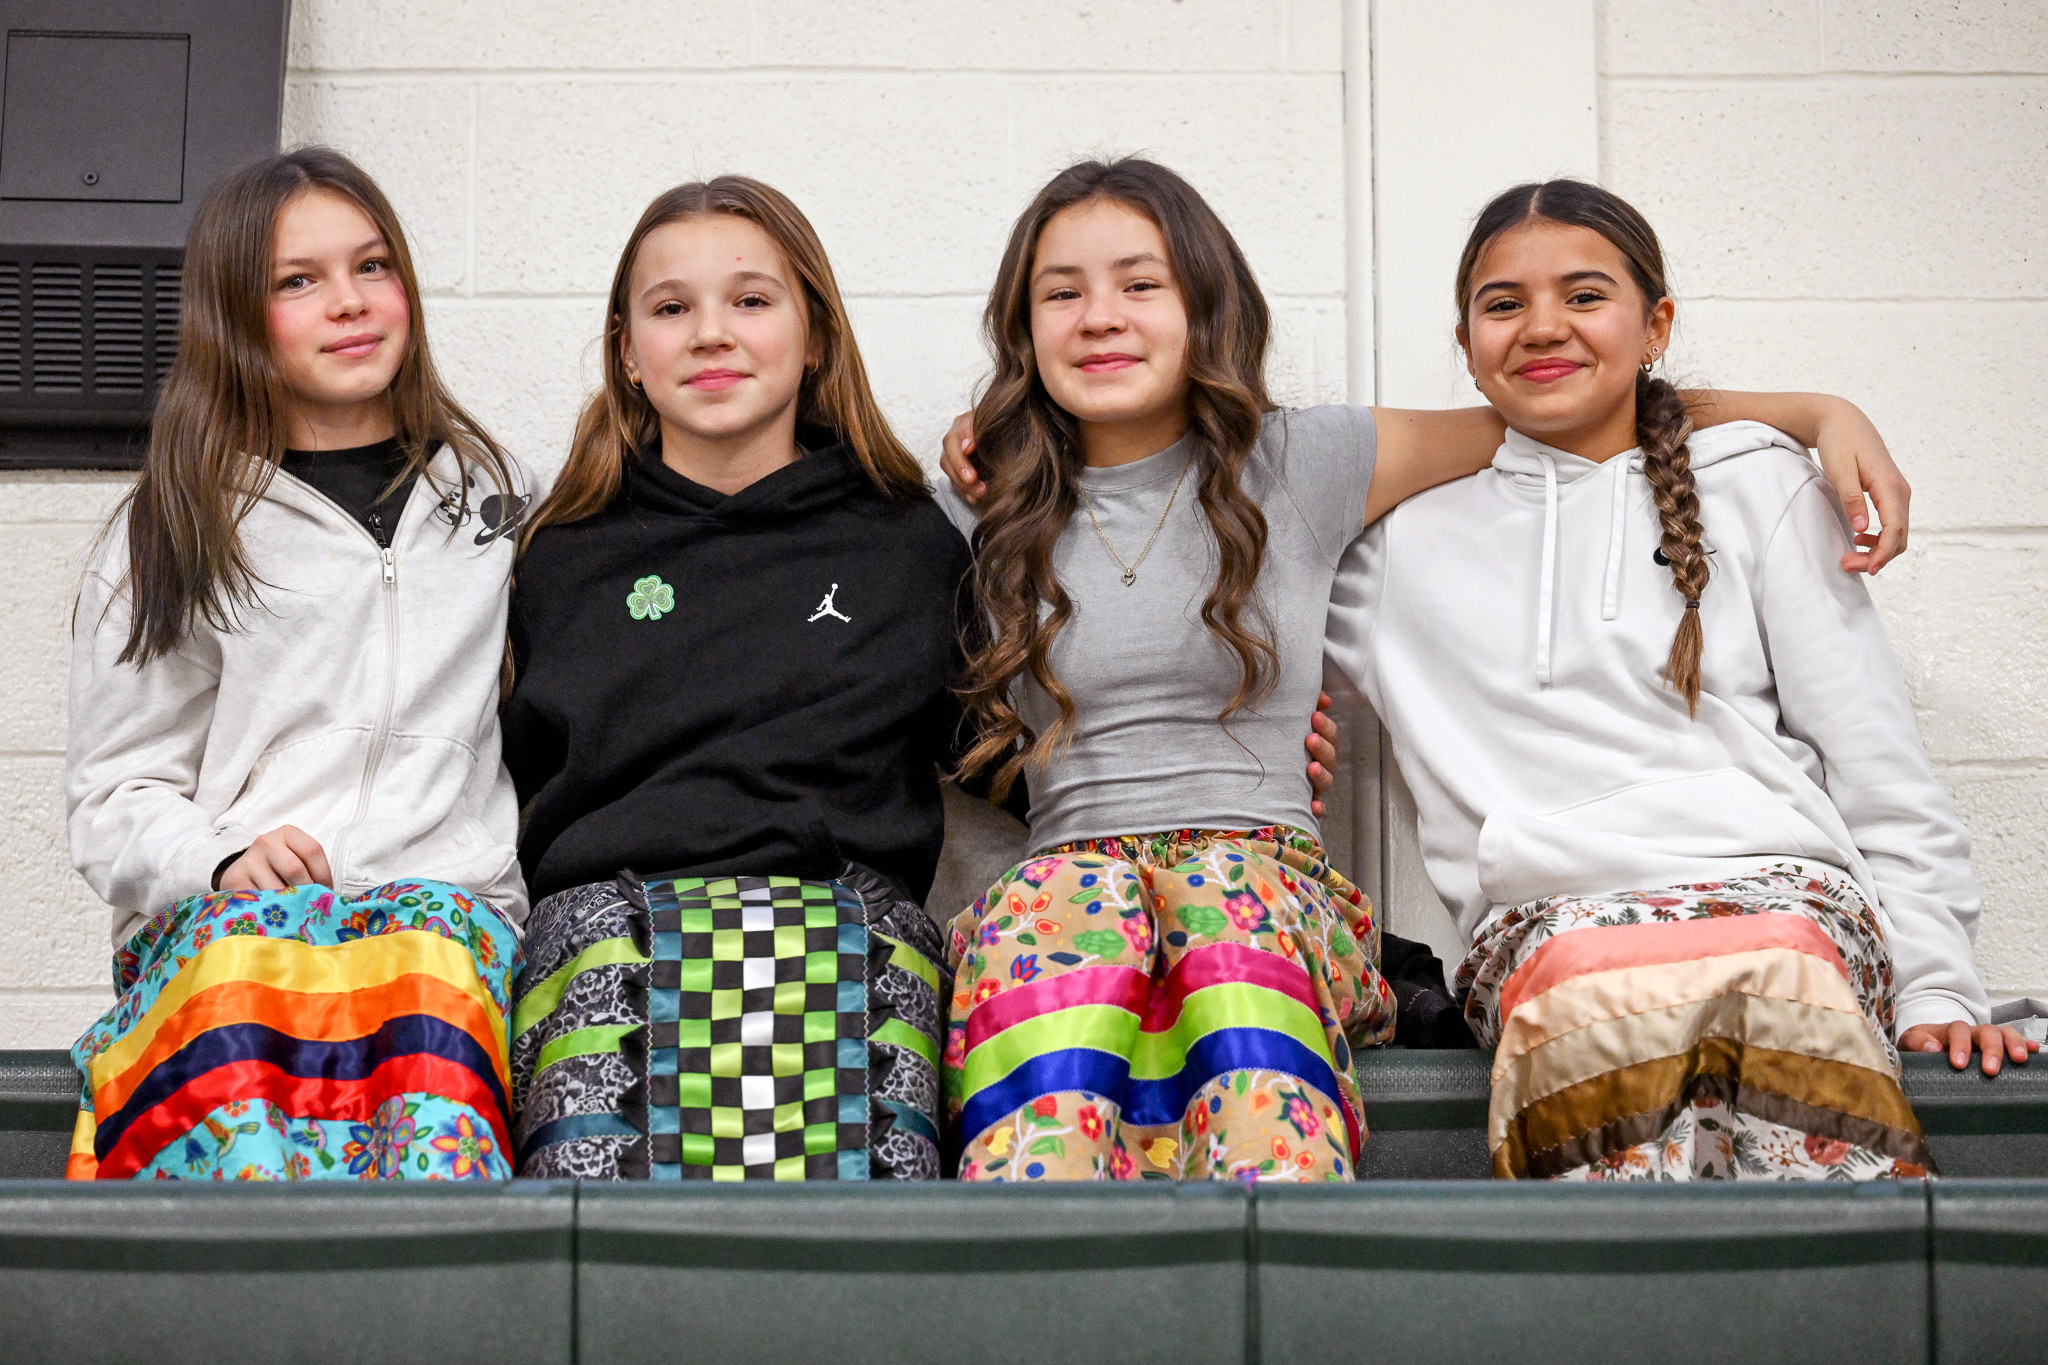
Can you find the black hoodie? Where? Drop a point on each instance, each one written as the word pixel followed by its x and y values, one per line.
pixel 755 683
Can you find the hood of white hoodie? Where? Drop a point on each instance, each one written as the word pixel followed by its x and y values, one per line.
pixel 1527 463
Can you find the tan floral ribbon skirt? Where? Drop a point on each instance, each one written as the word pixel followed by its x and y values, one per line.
pixel 1726 1030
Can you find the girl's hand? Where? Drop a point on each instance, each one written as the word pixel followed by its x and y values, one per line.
pixel 1854 458
pixel 1963 1037
pixel 967 481
pixel 1852 455
pixel 284 858
pixel 1322 751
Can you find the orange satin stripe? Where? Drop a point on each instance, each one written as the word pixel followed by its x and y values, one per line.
pixel 83 1163
pixel 317 1016
pixel 289 964
pixel 1635 945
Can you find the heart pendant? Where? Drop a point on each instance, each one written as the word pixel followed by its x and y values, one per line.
pixel 1130 577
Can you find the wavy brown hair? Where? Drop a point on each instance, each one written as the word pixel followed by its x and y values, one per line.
pixel 1029 449
pixel 1662 425
pixel 619 423
pixel 220 425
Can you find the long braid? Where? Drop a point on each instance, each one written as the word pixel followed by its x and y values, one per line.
pixel 1662 429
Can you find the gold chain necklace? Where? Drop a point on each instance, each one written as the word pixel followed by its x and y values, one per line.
pixel 1131 569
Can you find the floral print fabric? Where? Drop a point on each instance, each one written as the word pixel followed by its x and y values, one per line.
pixel 1173 1006
pixel 302 1034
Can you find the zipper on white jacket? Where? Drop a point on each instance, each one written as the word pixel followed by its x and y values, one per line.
pixel 337 856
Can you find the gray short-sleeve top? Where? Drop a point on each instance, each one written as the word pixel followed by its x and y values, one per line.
pixel 1147 676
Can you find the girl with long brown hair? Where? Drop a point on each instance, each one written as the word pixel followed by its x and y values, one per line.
pixel 1173 984
pixel 1666 767
pixel 734 635
pixel 283 768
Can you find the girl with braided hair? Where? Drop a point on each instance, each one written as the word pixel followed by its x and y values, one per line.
pixel 1665 764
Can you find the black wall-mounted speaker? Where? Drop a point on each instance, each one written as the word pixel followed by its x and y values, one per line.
pixel 116 116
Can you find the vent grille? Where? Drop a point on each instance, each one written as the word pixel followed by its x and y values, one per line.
pixel 57 326
pixel 170 300
pixel 10 327
pixel 87 334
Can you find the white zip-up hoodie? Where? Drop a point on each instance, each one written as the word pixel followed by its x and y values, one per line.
pixel 1511 630
pixel 358 701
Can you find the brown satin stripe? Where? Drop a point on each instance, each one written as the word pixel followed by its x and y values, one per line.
pixel 1788 1026
pixel 1770 1083
pixel 1770 972
pixel 1588 1148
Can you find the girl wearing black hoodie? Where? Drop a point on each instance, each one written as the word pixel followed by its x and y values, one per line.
pixel 733 632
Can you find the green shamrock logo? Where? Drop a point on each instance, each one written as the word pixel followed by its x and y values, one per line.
pixel 650 598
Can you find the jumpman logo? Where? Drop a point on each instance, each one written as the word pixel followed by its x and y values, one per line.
pixel 825 608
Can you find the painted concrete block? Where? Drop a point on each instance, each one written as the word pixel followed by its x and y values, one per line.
pixel 2007 814
pixel 1953 387
pixel 1315 35
pixel 496 35
pixel 83 498
pixel 1069 35
pixel 49 1019
pixel 1703 37
pixel 1267 153
pixel 1968 616
pixel 564 169
pixel 1758 189
pixel 40 570
pixel 415 138
pixel 59 935
pixel 1947 35
pixel 1306 365
pixel 522 367
pixel 925 360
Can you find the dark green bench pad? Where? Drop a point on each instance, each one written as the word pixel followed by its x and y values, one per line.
pixel 1426 1109
pixel 149 1272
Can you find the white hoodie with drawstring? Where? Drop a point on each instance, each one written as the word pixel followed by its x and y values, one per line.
pixel 357 701
pixel 1511 630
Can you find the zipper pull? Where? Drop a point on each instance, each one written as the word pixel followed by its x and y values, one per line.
pixel 390 564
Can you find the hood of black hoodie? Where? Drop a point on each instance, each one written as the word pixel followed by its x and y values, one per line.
pixel 824 476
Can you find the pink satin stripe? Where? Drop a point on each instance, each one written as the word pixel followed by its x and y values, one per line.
pixel 1125 987
pixel 1605 948
pixel 1221 964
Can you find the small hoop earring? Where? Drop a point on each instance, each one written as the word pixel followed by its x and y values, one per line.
pixel 1650 362
pixel 634 380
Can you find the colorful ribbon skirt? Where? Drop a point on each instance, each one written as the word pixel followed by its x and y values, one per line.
pixel 1178 1006
pixel 299 1034
pixel 730 1028
pixel 1726 1030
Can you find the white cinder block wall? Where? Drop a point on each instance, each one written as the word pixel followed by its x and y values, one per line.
pixel 1852 196
pixel 520 139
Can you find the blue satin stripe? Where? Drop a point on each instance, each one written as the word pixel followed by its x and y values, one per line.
pixel 1145 1103
pixel 574 1126
pixel 1073 1068
pixel 352 1059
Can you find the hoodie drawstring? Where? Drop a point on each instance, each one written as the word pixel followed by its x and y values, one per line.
pixel 1547 590
pixel 1617 536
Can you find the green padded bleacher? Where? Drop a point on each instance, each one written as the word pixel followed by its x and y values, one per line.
pixel 1427 1112
pixel 1422 1272
pixel 940 1272
pixel 1990 1270
pixel 1426 1109
pixel 38 1107
pixel 148 1273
